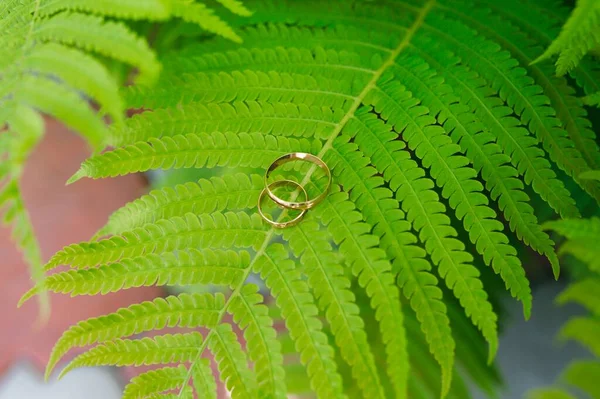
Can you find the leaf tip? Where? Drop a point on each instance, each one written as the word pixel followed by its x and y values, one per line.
pixel 77 176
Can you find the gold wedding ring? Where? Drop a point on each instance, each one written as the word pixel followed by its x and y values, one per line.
pixel 300 156
pixel 281 225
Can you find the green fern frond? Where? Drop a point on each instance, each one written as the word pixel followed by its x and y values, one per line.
pixel 211 88
pixel 508 22
pixel 187 393
pixel 203 380
pixel 164 349
pixel 236 7
pixel 111 39
pixel 232 362
pixel 591 174
pixel 278 119
pixel 26 129
pixel 299 310
pixel 592 99
pixel 191 151
pixel 467 131
pixel 584 374
pixel 584 330
pixel 131 9
pixel 514 140
pixel 261 341
pixel 185 310
pixel 440 136
pixel 462 190
pixel 578 36
pixel 575 229
pixel 64 104
pixel 583 292
pixel 155 382
pixel 373 272
pixel 549 394
pixel 215 230
pixel 583 235
pixel 326 276
pixel 199 14
pixel 216 267
pixel 81 72
pixel 580 374
pixel 233 192
pixel 520 92
pixel 46 66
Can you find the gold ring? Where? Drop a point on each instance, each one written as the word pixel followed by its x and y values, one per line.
pixel 302 156
pixel 280 225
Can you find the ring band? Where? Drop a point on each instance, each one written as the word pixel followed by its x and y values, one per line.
pixel 281 225
pixel 302 156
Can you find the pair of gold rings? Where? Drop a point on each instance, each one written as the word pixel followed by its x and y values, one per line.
pixel 304 205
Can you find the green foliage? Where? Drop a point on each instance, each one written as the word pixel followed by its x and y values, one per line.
pixel 581 374
pixel 26 129
pixel 55 59
pixel 579 35
pixel 583 236
pixel 445 143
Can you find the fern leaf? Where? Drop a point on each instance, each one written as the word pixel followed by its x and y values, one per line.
pixel 592 99
pixel 247 86
pixel 456 268
pixel 203 380
pixel 131 9
pixel 423 210
pixel 520 92
pixel 584 330
pixel 198 13
pixel 590 174
pixel 164 349
pixel 549 394
pixel 231 192
pixel 236 7
pixel 584 375
pixel 300 312
pixel 374 274
pixel 506 25
pixel 65 105
pixel 25 131
pixel 232 362
pixel 279 119
pixel 514 140
pixel 578 36
pixel 575 229
pixel 154 382
pixel 585 250
pixel 317 61
pixel 583 292
pixel 327 278
pixel 208 230
pixel 185 310
pixel 81 72
pixel 217 267
pixel 468 132
pixel 450 171
pixel 193 150
pixel 261 341
pixel 111 39
pixel 186 393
